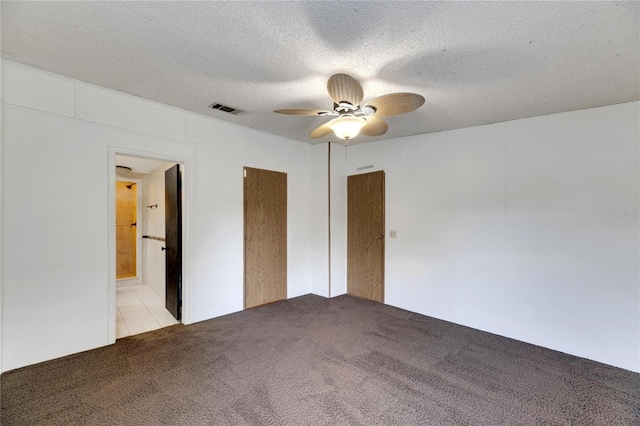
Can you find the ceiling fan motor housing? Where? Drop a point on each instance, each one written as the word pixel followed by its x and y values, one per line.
pixel 344 106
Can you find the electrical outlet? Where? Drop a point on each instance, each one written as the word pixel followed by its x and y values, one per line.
pixel 393 234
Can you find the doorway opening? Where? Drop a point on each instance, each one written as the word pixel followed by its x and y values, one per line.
pixel 148 244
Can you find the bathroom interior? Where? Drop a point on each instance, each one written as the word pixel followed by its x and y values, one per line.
pixel 140 243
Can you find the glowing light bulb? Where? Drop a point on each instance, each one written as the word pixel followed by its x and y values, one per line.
pixel 347 126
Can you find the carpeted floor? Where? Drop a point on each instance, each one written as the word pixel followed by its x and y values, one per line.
pixel 316 361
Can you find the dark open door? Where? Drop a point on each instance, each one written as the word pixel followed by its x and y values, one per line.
pixel 173 235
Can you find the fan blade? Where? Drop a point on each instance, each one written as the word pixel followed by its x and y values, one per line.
pixel 396 104
pixel 375 126
pixel 299 111
pixel 343 87
pixel 321 131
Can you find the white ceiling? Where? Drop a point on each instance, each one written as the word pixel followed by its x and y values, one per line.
pixel 138 165
pixel 474 62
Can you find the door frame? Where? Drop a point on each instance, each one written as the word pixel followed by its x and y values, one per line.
pixel 138 183
pixel 188 195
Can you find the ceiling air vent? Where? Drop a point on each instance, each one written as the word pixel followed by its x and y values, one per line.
pixel 224 108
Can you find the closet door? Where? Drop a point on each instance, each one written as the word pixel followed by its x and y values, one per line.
pixel 365 236
pixel 265 237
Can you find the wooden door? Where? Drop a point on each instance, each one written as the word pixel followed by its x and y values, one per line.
pixel 126 229
pixel 265 237
pixel 173 243
pixel 365 236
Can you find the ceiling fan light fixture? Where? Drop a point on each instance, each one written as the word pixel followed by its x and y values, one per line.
pixel 347 127
pixel 353 119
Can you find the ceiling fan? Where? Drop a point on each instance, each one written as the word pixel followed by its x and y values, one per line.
pixel 352 118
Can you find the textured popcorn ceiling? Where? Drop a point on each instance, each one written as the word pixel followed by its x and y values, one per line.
pixel 474 62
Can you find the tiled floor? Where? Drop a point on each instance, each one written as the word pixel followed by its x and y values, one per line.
pixel 140 309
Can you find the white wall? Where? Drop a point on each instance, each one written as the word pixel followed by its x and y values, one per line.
pixel 1 196
pixel 338 194
pixel 500 227
pixel 505 228
pixel 153 224
pixel 223 151
pixel 319 254
pixel 60 140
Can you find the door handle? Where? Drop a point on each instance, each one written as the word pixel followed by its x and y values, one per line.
pixel 379 237
pixel 134 224
pixel 165 248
